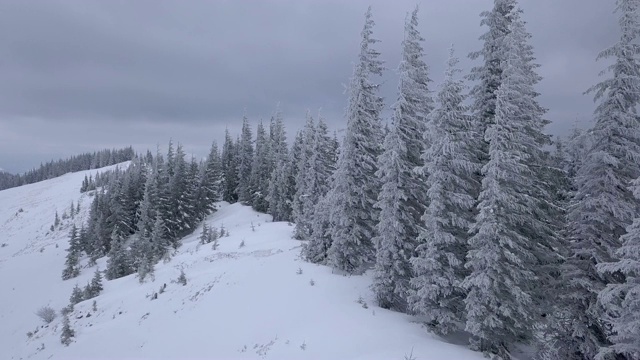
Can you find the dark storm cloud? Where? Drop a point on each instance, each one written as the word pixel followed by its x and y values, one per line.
pixel 76 75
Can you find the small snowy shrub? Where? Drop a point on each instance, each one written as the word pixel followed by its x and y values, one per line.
pixel 47 314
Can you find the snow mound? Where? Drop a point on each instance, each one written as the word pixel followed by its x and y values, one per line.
pixel 251 298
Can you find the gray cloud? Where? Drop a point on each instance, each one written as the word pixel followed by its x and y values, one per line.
pixel 78 75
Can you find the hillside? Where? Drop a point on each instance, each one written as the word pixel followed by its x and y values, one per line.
pixel 257 301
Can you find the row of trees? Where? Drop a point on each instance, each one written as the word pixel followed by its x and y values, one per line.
pixel 465 217
pixel 469 221
pixel 60 167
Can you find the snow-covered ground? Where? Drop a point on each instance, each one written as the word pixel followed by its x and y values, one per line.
pixel 258 301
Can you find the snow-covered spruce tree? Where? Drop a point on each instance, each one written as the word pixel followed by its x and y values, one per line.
pixel 302 191
pixel 229 169
pixel 71 266
pixel 148 208
pixel 623 299
pixel 180 215
pixel 317 248
pixel 318 180
pixel 279 183
pixel 210 188
pixel 119 262
pixel 452 164
pixel 95 287
pixel 261 171
pixel 512 241
pixel 488 75
pixel 603 204
pixel 160 243
pixel 245 161
pixel 402 198
pixel 76 295
pixel 577 145
pixel 355 186
pixel 67 334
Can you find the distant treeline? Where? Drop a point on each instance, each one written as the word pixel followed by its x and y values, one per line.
pixel 52 169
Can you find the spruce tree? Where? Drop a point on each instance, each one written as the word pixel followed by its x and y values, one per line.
pixel 513 240
pixel 119 262
pixel 279 183
pixel 72 268
pixel 229 170
pixel 401 199
pixel 603 204
pixel 622 300
pixel 67 334
pixel 302 188
pixel 488 75
pixel 160 243
pixel 96 284
pixel 149 206
pixel 452 164
pixel 355 186
pixel 210 187
pixel 205 234
pixel 245 161
pixel 318 181
pixel 317 248
pixel 179 216
pixel 77 295
pixel 261 171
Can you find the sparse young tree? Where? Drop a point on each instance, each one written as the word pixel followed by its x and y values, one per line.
pixel 205 234
pixel 77 295
pixel 67 334
pixel 95 287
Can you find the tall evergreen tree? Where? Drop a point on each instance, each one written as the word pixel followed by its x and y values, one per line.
pixel 401 200
pixel 279 184
pixel 72 268
pixel 119 263
pixel 318 182
pixel 261 171
pixel 355 186
pixel 512 238
pixel 245 161
pixel 229 169
pixel 210 188
pixel 302 190
pixel 488 75
pixel 452 164
pixel 603 205
pixel 623 299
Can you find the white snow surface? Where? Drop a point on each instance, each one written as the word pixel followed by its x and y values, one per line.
pixel 239 302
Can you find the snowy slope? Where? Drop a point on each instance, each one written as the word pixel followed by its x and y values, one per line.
pixel 247 302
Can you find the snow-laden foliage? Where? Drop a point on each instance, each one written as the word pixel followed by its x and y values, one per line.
pixel 402 197
pixel 512 239
pixel 245 162
pixel 603 205
pixel 452 165
pixel 355 187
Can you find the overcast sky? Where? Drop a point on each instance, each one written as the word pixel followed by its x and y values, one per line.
pixel 84 75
